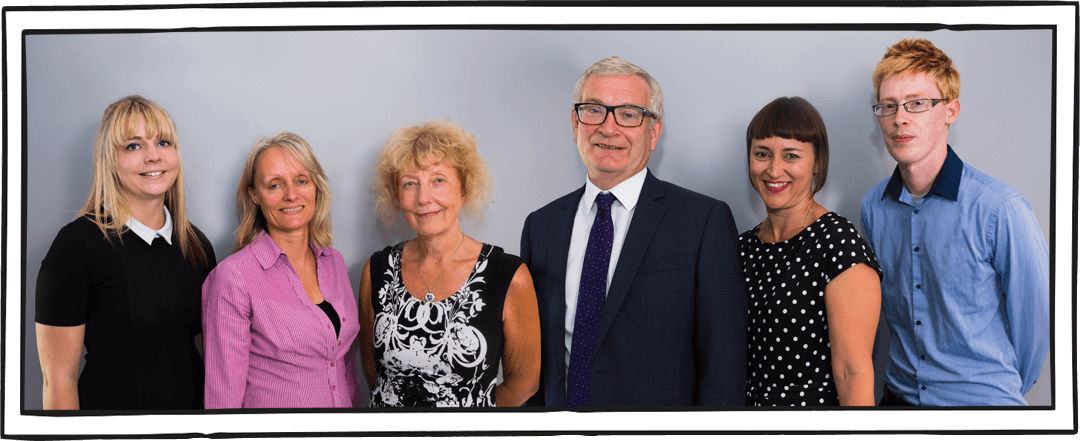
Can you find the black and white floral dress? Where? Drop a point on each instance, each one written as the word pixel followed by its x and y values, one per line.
pixel 788 359
pixel 444 353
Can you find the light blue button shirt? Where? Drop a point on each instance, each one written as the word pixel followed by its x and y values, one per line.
pixel 966 288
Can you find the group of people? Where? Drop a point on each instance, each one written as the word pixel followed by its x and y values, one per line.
pixel 629 291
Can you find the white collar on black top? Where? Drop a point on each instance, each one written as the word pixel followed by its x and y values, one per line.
pixel 147 234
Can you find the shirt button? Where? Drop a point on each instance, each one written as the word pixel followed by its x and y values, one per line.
pixel 918 322
pixel 331 364
pixel 922 357
pixel 916 249
pixel 916 287
pixel 916 211
pixel 339 343
pixel 924 388
pixel 335 387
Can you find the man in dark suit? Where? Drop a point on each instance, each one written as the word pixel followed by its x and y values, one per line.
pixel 638 281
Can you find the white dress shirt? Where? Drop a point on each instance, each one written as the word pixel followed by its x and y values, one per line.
pixel 148 234
pixel 622 211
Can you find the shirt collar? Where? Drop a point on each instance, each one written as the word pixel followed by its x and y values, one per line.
pixel 267 252
pixel 627 192
pixel 148 234
pixel 946 184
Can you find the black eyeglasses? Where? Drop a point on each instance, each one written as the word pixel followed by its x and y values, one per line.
pixel 914 106
pixel 626 116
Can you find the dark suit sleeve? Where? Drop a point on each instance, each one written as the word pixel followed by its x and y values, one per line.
pixel 538 398
pixel 720 314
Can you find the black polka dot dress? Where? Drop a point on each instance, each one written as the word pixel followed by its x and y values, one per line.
pixel 788 358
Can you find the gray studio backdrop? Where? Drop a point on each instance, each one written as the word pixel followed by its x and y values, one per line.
pixel 345 91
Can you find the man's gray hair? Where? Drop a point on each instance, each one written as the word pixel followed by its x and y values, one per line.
pixel 614 65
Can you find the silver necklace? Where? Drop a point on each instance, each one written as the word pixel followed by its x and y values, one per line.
pixel 797 225
pixel 429 296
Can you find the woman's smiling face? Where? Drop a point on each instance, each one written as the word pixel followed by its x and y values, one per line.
pixel 782 171
pixel 284 191
pixel 148 166
pixel 431 198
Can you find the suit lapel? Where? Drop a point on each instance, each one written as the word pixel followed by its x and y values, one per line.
pixel 647 215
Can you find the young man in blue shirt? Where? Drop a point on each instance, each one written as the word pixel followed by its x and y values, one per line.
pixel 966 288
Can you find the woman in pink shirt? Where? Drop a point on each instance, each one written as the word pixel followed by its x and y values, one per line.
pixel 279 316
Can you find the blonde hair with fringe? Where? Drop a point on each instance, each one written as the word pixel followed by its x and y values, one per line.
pixel 107 206
pixel 434 142
pixel 252 220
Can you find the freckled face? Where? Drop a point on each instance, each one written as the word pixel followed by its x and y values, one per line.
pixel 612 152
pixel 284 191
pixel 912 138
pixel 782 172
pixel 148 166
pixel 431 198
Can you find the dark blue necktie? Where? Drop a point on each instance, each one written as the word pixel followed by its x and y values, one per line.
pixel 590 301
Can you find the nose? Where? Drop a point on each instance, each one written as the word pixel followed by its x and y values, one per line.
pixel 774 169
pixel 152 154
pixel 902 117
pixel 609 126
pixel 423 193
pixel 291 192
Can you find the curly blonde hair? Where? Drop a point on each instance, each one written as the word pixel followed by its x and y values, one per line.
pixel 422 146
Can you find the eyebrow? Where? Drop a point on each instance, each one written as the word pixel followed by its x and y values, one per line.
pixel 785 149
pixel 596 101
pixel 911 96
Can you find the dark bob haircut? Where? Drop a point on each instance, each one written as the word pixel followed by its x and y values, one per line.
pixel 793 118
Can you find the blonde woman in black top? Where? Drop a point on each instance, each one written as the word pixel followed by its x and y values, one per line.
pixel 123 279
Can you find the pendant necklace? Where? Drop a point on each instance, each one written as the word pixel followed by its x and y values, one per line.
pixel 797 225
pixel 429 296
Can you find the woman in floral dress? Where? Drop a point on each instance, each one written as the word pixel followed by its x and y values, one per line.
pixel 440 312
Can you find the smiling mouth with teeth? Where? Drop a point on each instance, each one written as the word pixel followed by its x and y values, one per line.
pixel 609 147
pixel 152 174
pixel 776 187
pixel 290 210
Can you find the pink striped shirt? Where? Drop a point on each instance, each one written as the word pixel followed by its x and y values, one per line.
pixel 267 345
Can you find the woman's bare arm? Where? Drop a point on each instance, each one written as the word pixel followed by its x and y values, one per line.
pixel 521 343
pixel 367 326
pixel 853 305
pixel 59 351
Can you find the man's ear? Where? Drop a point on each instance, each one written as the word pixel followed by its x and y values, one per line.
pixel 654 133
pixel 952 111
pixel 574 122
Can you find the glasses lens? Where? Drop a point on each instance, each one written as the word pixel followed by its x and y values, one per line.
pixel 885 109
pixel 591 113
pixel 916 106
pixel 628 116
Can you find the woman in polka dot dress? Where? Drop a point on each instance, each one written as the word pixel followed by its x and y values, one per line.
pixel 812 282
